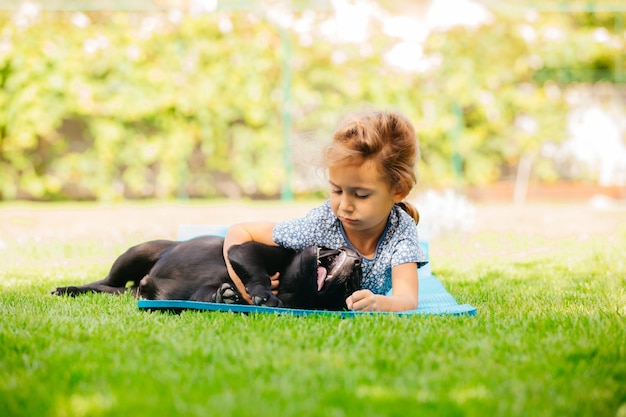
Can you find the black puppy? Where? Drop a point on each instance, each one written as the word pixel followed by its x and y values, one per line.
pixel 315 278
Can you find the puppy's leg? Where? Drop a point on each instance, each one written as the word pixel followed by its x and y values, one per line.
pixel 131 266
pixel 98 286
pixel 254 263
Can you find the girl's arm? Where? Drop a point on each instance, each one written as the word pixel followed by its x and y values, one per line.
pixel 404 293
pixel 245 232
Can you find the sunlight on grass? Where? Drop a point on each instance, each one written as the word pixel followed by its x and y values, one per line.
pixel 76 405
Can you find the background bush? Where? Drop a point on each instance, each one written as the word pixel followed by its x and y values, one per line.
pixel 163 104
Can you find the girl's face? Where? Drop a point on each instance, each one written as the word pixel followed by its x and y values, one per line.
pixel 361 198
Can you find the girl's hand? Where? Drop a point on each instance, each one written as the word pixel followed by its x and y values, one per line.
pixel 363 300
pixel 275 282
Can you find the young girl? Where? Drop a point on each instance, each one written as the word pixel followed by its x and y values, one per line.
pixel 371 169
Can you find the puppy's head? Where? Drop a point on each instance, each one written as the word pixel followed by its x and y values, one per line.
pixel 320 278
pixel 338 268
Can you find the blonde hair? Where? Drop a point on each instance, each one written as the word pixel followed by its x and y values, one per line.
pixel 386 137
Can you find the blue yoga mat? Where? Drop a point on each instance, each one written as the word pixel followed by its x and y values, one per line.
pixel 433 299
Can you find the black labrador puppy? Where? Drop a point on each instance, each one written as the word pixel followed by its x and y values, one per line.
pixel 316 278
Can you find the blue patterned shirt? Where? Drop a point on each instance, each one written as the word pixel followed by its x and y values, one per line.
pixel 398 244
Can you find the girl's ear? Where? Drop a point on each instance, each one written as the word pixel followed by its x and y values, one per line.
pixel 399 192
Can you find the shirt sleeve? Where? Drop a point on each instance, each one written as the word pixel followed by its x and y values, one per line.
pixel 299 233
pixel 408 251
pixel 407 248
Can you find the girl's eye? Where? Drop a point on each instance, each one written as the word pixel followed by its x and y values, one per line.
pixel 334 191
pixel 361 196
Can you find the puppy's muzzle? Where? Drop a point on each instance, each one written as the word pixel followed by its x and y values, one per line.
pixel 342 265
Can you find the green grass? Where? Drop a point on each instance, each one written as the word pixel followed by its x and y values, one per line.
pixel 549 339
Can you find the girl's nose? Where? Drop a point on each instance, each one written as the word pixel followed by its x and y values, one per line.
pixel 345 204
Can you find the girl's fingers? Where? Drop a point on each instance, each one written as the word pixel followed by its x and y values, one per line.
pixel 362 300
pixel 274 281
pixel 353 302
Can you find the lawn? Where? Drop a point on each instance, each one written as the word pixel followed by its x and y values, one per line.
pixel 549 339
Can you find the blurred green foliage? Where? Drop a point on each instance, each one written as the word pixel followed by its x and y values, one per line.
pixel 141 105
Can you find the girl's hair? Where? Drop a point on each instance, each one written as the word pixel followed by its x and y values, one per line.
pixel 386 137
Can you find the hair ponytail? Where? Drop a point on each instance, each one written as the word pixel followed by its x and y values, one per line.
pixel 410 209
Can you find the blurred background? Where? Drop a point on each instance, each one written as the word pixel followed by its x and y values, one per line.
pixel 162 99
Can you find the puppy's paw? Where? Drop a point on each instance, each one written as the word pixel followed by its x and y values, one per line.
pixel 227 294
pixel 267 300
pixel 70 291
